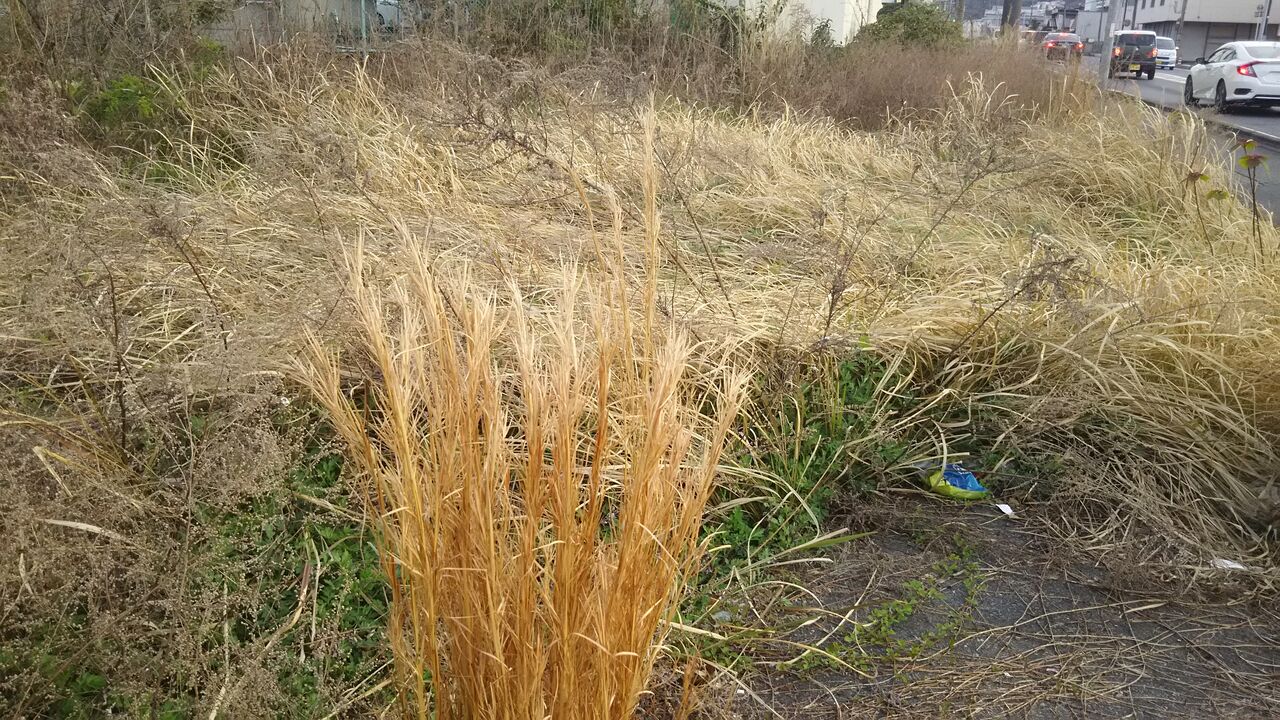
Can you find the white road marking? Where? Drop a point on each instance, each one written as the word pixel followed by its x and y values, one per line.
pixel 1180 79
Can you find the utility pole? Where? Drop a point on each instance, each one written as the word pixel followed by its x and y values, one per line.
pixel 1133 24
pixel 1104 71
pixel 1177 29
pixel 364 32
pixel 1262 22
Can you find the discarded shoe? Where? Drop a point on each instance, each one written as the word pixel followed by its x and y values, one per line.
pixel 956 482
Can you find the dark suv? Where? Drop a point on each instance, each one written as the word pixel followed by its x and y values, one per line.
pixel 1134 52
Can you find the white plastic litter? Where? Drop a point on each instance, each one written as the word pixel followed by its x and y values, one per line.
pixel 1006 510
pixel 1222 564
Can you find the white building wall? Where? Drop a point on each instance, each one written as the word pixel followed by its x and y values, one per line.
pixel 325 15
pixel 1212 11
pixel 846 16
pixel 862 12
pixel 1091 25
pixel 254 22
pixel 1208 23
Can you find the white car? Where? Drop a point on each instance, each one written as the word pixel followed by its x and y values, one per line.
pixel 1238 74
pixel 1166 53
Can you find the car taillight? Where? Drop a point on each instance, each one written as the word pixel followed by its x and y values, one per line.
pixel 1051 44
pixel 1116 52
pixel 1247 70
pixel 1079 46
pixel 1152 53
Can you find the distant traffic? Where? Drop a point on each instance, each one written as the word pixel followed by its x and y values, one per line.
pixel 1238 75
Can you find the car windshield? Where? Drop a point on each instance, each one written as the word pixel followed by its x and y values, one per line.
pixel 1269 51
pixel 1135 39
pixel 1165 43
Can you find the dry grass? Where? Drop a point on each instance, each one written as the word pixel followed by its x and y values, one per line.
pixel 836 82
pixel 501 439
pixel 1045 286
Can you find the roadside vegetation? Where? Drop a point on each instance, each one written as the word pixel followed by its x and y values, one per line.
pixel 509 367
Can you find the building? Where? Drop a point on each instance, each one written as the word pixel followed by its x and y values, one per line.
pixel 991 19
pixel 1206 24
pixel 1041 15
pixel 852 14
pixel 845 17
pixel 1092 25
pixel 1047 15
pixel 269 21
pixel 1052 15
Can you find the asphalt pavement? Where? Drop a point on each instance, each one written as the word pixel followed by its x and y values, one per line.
pixel 1166 90
pixel 1263 125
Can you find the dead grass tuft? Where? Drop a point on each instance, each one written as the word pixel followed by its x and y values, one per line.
pixel 539 473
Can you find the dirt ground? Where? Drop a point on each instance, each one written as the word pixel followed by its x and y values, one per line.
pixel 959 611
pixel 940 610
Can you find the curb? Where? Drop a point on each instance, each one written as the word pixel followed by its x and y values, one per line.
pixel 1255 134
pixel 1215 121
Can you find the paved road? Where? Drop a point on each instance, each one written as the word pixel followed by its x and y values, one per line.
pixel 1263 125
pixel 1166 90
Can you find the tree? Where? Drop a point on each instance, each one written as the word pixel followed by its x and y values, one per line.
pixel 1011 15
pixel 913 23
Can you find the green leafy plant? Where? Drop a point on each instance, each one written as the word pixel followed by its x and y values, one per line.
pixel 129 102
pixel 148 120
pixel 307 543
pixel 808 439
pixel 880 637
pixel 914 23
pixel 73 680
pixel 1250 161
pixel 1190 183
pixel 821 36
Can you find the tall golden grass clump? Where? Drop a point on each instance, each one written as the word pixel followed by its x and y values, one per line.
pixel 539 472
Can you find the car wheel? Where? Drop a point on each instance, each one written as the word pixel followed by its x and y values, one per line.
pixel 1189 94
pixel 1220 98
pixel 1151 74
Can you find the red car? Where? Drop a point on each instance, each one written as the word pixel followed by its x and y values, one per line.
pixel 1063 46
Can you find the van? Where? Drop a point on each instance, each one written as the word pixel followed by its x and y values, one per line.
pixel 1134 51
